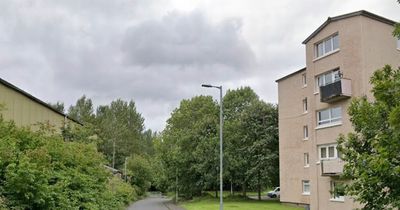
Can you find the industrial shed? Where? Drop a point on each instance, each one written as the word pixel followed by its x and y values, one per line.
pixel 27 110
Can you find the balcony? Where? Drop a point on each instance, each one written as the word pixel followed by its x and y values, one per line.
pixel 336 91
pixel 332 167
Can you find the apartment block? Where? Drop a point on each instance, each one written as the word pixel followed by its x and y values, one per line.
pixel 341 56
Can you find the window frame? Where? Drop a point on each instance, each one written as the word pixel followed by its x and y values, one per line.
pixel 304 79
pixel 326 147
pixel 334 196
pixel 306 160
pixel 398 43
pixel 305 132
pixel 321 44
pixel 305 105
pixel 304 184
pixel 330 120
pixel 323 76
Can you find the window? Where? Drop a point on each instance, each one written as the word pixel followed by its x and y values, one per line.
pixel 306 187
pixel 328 116
pixel 306 160
pixel 328 78
pixel 326 46
pixel 304 79
pixel 327 152
pixel 398 43
pixel 305 106
pixel 305 132
pixel 337 191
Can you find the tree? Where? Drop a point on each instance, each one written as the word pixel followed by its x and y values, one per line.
pixel 188 148
pixel 58 106
pixel 140 173
pixel 259 123
pixel 235 154
pixel 82 110
pixel 38 170
pixel 371 152
pixel 121 128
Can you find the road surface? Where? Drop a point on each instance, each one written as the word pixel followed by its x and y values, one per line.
pixel 154 202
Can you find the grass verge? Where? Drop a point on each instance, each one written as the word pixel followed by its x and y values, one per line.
pixel 234 203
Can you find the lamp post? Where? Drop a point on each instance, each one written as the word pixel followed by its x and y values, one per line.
pixel 221 202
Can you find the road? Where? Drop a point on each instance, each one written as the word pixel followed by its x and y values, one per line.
pixel 154 202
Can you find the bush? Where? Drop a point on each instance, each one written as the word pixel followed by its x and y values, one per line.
pixel 38 170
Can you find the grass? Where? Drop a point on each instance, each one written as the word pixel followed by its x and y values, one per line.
pixel 234 203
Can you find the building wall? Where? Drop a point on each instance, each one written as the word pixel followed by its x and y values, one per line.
pixel 291 119
pixel 365 45
pixel 25 111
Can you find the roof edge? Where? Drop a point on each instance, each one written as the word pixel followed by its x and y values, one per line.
pixel 291 74
pixel 348 15
pixel 15 88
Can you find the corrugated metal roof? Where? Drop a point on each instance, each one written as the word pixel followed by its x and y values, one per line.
pixel 11 86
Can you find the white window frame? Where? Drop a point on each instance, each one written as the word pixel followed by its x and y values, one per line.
pixel 334 74
pixel 306 183
pixel 305 132
pixel 306 160
pixel 305 105
pixel 304 79
pixel 326 147
pixel 333 196
pixel 330 120
pixel 324 52
pixel 398 43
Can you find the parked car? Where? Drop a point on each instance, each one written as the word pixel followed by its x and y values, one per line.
pixel 274 193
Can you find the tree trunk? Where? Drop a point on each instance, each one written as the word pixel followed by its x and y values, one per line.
pixel 259 186
pixel 244 188
pixel 231 188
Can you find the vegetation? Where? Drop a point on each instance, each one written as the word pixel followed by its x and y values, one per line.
pixel 372 151
pixel 39 170
pixel 187 152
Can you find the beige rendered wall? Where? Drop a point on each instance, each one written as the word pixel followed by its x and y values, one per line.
pixel 365 45
pixel 26 112
pixel 379 47
pixel 291 144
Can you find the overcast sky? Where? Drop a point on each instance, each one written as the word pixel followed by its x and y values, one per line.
pixel 158 52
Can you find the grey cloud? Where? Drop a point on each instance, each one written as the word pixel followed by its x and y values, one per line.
pixel 187 39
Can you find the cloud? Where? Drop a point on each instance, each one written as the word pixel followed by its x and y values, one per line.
pixel 185 39
pixel 158 52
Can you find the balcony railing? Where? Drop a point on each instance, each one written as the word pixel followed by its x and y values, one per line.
pixel 336 91
pixel 332 167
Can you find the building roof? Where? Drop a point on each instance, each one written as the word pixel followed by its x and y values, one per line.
pixel 15 88
pixel 353 14
pixel 291 74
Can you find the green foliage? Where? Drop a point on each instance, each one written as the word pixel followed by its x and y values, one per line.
pixel 371 153
pixel 188 149
pixel 140 173
pixel 58 106
pixel 82 111
pixel 121 125
pixel 38 170
pixel 259 123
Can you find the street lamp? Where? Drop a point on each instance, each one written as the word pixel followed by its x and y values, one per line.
pixel 221 122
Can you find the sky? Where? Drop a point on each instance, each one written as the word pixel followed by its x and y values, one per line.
pixel 158 52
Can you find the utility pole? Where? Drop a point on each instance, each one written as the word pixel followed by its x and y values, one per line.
pixel 126 178
pixel 113 155
pixel 176 187
pixel 221 123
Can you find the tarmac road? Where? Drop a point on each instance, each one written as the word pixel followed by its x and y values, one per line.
pixel 154 202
